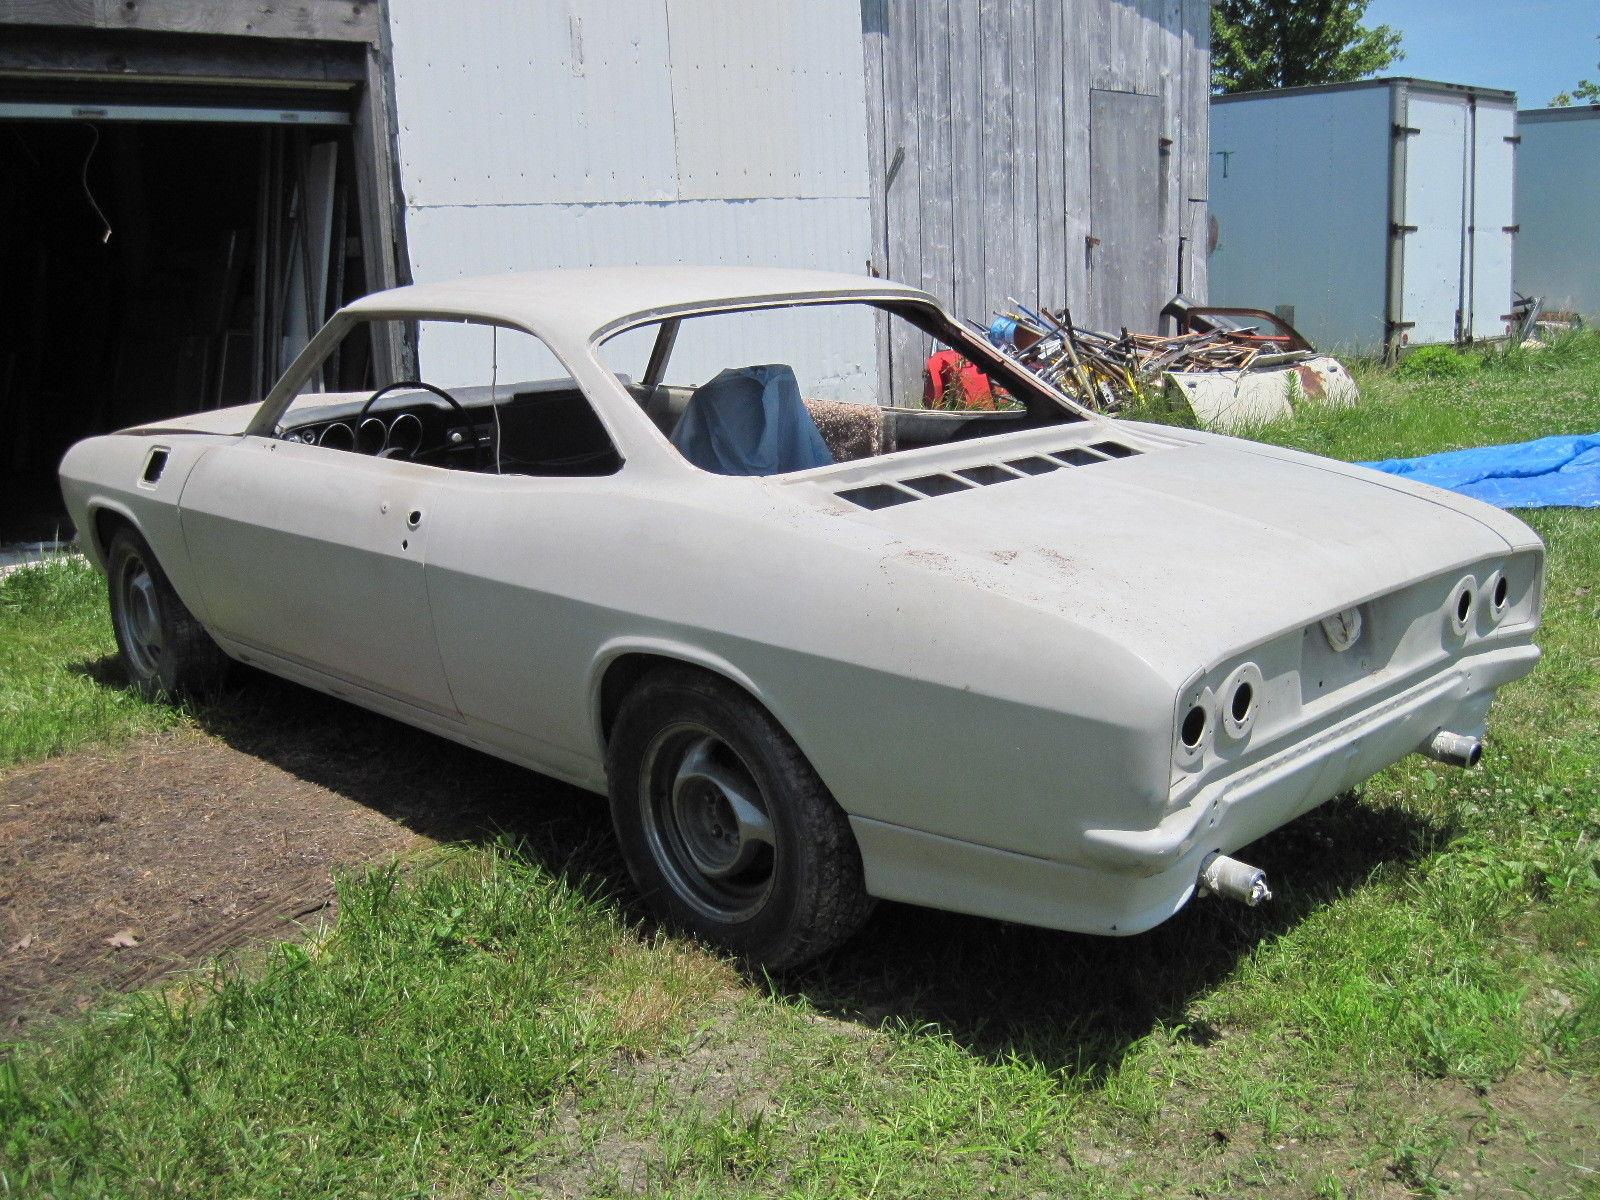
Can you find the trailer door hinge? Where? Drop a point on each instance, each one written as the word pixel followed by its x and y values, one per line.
pixel 1396 229
pixel 1514 139
pixel 1401 131
pixel 1511 229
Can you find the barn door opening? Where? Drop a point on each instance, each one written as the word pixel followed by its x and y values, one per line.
pixel 158 261
pixel 1123 254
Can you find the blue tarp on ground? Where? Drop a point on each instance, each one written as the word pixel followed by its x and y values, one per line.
pixel 1552 472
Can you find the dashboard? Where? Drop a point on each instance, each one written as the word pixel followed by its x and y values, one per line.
pixel 402 433
pixel 539 429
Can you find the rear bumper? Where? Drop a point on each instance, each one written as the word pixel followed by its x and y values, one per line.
pixel 1126 881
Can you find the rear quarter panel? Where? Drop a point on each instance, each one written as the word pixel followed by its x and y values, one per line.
pixel 921 696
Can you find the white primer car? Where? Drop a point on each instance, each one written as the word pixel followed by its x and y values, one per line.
pixel 1031 664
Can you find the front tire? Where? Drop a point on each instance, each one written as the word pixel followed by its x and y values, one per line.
pixel 727 831
pixel 165 651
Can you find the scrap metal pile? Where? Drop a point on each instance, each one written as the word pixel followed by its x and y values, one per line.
pixel 1108 372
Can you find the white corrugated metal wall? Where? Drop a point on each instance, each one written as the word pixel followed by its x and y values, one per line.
pixel 611 132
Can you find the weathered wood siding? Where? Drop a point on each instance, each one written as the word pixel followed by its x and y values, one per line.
pixel 992 176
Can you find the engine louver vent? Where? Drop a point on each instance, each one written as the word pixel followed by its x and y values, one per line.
pixel 874 496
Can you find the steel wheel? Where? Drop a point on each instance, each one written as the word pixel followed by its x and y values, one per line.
pixel 138 616
pixel 707 824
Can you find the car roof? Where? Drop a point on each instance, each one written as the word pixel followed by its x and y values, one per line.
pixel 575 302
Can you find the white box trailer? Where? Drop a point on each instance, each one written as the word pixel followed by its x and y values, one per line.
pixel 1558 178
pixel 1376 215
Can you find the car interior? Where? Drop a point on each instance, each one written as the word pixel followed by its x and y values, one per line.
pixel 539 428
pixel 730 423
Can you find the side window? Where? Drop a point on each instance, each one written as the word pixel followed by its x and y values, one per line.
pixel 770 390
pixel 831 348
pixel 483 398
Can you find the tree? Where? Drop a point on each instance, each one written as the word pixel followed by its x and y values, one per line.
pixel 1259 44
pixel 1587 92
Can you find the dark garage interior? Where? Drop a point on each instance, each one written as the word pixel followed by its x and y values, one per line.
pixel 155 267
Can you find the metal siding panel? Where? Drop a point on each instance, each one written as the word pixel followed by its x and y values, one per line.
pixel 502 102
pixel 1493 172
pixel 1558 178
pixel 1303 209
pixel 769 99
pixel 823 233
pixel 1436 198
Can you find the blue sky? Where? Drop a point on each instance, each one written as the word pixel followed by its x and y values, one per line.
pixel 1536 48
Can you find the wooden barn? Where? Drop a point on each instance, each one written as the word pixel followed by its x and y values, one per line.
pixel 188 190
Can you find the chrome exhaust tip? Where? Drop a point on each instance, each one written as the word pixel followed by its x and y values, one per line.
pixel 1234 880
pixel 1454 749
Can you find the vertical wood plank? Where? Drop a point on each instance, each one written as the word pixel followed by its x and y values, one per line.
pixel 966 120
pixel 933 142
pixel 902 173
pixel 1024 226
pixel 1168 65
pixel 382 205
pixel 1050 124
pixel 1196 142
pixel 874 31
pixel 1080 24
pixel 999 96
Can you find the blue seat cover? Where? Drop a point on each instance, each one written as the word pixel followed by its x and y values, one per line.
pixel 750 421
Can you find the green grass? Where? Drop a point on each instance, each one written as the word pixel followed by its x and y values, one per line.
pixel 434 1027
pixel 1421 1001
pixel 55 634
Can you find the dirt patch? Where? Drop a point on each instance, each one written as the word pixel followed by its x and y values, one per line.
pixel 117 866
pixel 1531 1134
pixel 725 1077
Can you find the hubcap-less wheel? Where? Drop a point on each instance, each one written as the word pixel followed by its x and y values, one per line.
pixel 139 617
pixel 707 824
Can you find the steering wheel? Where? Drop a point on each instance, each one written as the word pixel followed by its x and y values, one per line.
pixel 476 443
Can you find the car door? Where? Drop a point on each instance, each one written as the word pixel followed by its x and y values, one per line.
pixel 523 586
pixel 317 556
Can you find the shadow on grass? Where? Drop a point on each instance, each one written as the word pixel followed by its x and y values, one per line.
pixel 439 788
pixel 1078 1002
pixel 1067 1001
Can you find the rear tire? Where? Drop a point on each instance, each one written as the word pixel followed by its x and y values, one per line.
pixel 165 651
pixel 727 830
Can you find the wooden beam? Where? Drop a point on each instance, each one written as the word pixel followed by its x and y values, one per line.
pixel 195 58
pixel 381 203
pixel 301 20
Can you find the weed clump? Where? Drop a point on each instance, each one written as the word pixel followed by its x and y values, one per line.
pixel 1437 362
